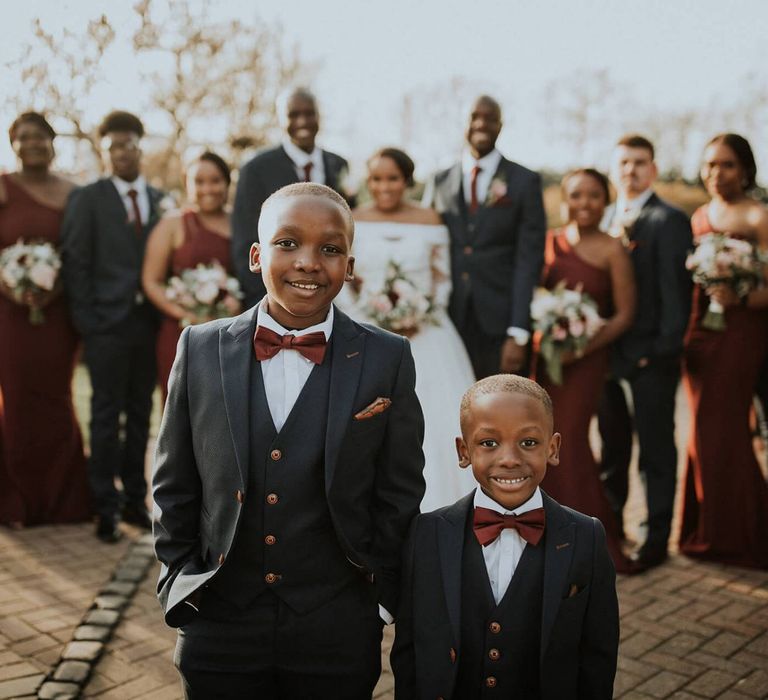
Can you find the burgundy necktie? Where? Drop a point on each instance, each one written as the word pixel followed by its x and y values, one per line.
pixel 133 195
pixel 473 189
pixel 488 525
pixel 308 172
pixel 267 344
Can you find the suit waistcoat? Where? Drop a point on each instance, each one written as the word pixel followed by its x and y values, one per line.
pixel 499 651
pixel 286 542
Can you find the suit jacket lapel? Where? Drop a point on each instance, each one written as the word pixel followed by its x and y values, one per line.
pixel 285 173
pixel 558 552
pixel 450 544
pixel 347 345
pixel 235 348
pixel 331 173
pixel 155 197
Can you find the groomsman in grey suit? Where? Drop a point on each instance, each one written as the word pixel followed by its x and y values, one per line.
pixel 296 159
pixel 495 215
pixel 647 356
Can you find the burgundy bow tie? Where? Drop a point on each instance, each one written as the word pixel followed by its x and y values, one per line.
pixel 267 344
pixel 488 525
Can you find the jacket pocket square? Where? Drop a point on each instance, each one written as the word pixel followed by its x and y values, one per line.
pixel 380 405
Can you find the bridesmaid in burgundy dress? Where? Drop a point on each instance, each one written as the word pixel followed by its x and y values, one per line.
pixel 184 240
pixel 583 255
pixel 42 465
pixel 725 508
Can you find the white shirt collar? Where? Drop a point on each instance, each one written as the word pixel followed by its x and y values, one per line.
pixel 123 187
pixel 301 158
pixel 638 202
pixel 489 163
pixel 482 500
pixel 264 319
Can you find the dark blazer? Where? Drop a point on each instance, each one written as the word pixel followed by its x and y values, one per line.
pixel 497 255
pixel 102 255
pixel 579 633
pixel 660 241
pixel 373 467
pixel 265 173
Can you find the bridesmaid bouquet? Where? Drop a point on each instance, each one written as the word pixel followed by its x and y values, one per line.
pixel 721 259
pixel 399 306
pixel 202 291
pixel 566 319
pixel 30 268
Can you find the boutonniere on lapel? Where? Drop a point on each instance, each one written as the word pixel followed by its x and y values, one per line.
pixel 344 185
pixel 622 225
pixel 497 191
pixel 166 204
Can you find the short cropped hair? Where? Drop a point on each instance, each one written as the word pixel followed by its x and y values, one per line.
pixel 216 160
pixel 601 179
pixel 509 383
pixel 487 99
pixel 401 159
pixel 743 152
pixel 31 118
pixel 121 121
pixel 281 103
pixel 637 141
pixel 310 189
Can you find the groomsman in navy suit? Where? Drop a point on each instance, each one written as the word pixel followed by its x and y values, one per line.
pixel 296 159
pixel 495 215
pixel 648 355
pixel 104 235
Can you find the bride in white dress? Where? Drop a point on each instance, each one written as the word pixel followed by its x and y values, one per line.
pixel 394 236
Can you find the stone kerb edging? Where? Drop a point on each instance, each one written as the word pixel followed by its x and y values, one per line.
pixel 71 673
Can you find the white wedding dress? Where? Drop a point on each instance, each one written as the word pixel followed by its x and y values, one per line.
pixel 443 370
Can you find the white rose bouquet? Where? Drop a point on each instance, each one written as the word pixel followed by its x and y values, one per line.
pixel 566 320
pixel 721 259
pixel 399 306
pixel 30 269
pixel 202 291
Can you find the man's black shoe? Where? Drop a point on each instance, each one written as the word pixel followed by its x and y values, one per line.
pixel 107 530
pixel 137 514
pixel 647 557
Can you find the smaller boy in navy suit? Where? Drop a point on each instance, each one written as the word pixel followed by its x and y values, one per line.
pixel 506 592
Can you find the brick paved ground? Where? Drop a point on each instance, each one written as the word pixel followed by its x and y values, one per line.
pixel 689 630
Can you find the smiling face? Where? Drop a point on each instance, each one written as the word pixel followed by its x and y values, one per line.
pixel 722 173
pixel 207 186
pixel 303 257
pixel 484 127
pixel 122 149
pixel 386 183
pixel 32 145
pixel 508 440
pixel 585 198
pixel 633 170
pixel 302 122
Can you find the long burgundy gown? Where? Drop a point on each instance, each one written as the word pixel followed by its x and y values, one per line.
pixel 725 507
pixel 200 246
pixel 42 465
pixel 575 482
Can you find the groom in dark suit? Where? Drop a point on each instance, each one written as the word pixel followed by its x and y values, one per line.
pixel 296 159
pixel 288 470
pixel 495 215
pixel 103 239
pixel 647 356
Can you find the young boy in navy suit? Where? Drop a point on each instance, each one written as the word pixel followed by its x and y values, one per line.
pixel 506 592
pixel 288 471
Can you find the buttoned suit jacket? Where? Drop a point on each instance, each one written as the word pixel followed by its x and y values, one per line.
pixel 373 467
pixel 497 255
pixel 579 632
pixel 103 255
pixel 265 173
pixel 659 242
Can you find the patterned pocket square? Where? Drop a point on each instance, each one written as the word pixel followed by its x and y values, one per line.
pixel 573 590
pixel 380 405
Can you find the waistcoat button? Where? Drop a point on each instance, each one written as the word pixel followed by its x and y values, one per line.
pixel 275 455
pixel 495 627
pixel 272 498
pixel 270 539
pixel 490 682
pixel 272 578
pixel 494 654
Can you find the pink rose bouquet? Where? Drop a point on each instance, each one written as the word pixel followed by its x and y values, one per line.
pixel 202 291
pixel 30 268
pixel 565 320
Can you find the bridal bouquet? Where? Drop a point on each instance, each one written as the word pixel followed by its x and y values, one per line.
pixel 721 259
pixel 30 268
pixel 566 320
pixel 399 306
pixel 202 291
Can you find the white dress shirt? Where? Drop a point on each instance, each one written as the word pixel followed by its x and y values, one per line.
pixel 503 554
pixel 624 212
pixel 301 158
pixel 286 373
pixel 488 165
pixel 140 185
